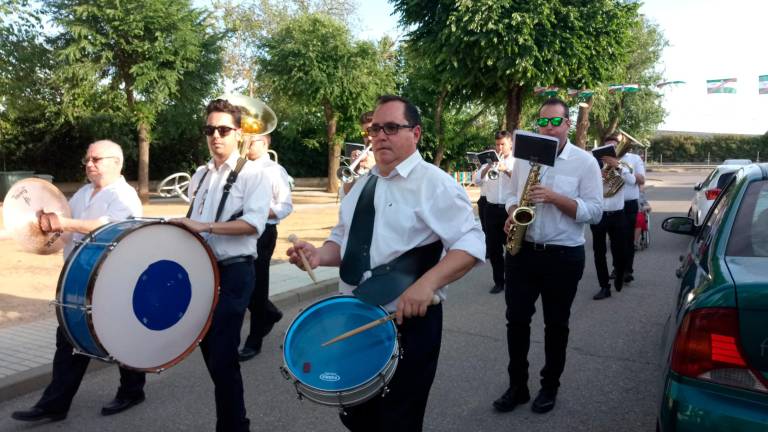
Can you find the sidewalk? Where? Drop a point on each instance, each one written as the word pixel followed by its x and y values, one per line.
pixel 27 354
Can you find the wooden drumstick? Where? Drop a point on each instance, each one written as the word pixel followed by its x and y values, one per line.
pixel 370 325
pixel 293 239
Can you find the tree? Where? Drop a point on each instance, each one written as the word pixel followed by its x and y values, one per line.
pixel 508 47
pixel 136 52
pixel 312 61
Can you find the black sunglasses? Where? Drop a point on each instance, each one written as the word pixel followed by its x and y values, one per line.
pixel 209 130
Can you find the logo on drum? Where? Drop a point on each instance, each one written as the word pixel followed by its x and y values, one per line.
pixel 329 376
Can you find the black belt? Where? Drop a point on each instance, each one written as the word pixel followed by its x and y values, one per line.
pixel 540 247
pixel 613 212
pixel 235 260
pixel 497 205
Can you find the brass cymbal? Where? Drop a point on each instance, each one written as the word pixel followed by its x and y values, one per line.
pixel 22 202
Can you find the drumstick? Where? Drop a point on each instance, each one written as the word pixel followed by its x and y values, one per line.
pixel 293 239
pixel 370 325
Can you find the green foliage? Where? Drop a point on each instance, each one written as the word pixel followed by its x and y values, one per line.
pixel 715 148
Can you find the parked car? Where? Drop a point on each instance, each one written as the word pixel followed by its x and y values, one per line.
pixel 736 162
pixel 708 190
pixel 715 343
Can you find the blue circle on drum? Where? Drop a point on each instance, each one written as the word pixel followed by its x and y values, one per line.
pixel 162 295
pixel 345 364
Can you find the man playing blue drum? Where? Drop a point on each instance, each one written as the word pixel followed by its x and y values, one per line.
pixel 393 229
pixel 107 198
pixel 230 205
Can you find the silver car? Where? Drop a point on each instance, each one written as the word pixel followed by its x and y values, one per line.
pixel 708 190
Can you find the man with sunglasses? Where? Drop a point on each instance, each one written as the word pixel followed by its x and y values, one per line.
pixel 495 211
pixel 106 198
pixel 551 260
pixel 264 313
pixel 230 206
pixel 393 228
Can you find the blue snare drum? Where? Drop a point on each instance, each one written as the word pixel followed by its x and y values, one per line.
pixel 139 292
pixel 350 371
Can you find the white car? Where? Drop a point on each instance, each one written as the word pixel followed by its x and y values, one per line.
pixel 736 162
pixel 708 190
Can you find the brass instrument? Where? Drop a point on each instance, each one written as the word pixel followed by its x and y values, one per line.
pixel 493 173
pixel 612 180
pixel 347 173
pixel 257 117
pixel 524 214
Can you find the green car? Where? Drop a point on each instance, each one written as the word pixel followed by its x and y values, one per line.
pixel 716 338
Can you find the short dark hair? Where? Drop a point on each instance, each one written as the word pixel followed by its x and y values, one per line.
pixel 366 117
pixel 613 137
pixel 223 106
pixel 557 101
pixel 412 115
pixel 502 134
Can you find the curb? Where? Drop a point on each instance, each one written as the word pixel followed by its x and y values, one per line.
pixel 37 378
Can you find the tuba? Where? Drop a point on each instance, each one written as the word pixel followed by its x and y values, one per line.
pixel 612 180
pixel 524 214
pixel 257 117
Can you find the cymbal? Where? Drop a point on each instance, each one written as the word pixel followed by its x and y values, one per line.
pixel 20 206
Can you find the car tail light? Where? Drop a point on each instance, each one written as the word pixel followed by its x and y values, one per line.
pixel 707 348
pixel 711 194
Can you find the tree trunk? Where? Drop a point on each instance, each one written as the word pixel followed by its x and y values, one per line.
pixel 143 161
pixel 439 134
pixel 582 123
pixel 334 149
pixel 514 106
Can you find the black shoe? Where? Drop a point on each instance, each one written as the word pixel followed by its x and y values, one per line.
pixel 35 414
pixel 545 401
pixel 118 405
pixel 628 278
pixel 268 327
pixel 603 293
pixel 618 285
pixel 248 353
pixel 497 289
pixel 511 398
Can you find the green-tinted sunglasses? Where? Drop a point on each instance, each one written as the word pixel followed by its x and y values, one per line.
pixel 543 121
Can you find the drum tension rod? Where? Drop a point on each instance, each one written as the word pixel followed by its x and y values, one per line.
pixel 108 359
pixel 70 306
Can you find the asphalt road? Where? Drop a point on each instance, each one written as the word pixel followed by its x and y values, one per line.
pixel 611 382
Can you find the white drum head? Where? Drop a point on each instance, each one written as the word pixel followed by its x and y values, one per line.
pixel 153 296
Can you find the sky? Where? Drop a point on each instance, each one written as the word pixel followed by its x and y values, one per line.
pixel 708 39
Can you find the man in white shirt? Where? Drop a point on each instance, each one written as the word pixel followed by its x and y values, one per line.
pixel 405 208
pixel 264 314
pixel 631 207
pixel 231 224
pixel 550 262
pixel 497 191
pixel 367 162
pixel 107 198
pixel 612 225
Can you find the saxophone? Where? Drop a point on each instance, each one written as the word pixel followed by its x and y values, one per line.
pixel 524 214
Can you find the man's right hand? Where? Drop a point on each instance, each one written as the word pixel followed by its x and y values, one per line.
pixel 310 253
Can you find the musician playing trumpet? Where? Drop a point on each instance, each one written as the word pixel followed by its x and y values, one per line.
pixel 368 161
pixel 550 262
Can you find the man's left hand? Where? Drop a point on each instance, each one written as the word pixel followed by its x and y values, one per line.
pixel 193 226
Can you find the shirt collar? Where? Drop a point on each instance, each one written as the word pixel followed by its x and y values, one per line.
pixel 567 152
pixel 231 161
pixel 404 168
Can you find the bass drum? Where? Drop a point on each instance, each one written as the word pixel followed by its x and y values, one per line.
pixel 140 293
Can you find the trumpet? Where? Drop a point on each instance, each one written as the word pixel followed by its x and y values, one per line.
pixel 493 173
pixel 347 174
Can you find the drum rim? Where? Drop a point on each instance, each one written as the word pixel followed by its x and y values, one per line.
pixel 97 268
pixel 394 355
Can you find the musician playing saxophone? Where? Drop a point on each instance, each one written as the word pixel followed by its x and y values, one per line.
pixel 551 260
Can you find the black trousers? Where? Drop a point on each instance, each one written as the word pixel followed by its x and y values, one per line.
pixel 262 310
pixel 482 202
pixel 495 238
pixel 402 409
pixel 219 347
pixel 630 215
pixel 68 372
pixel 554 274
pixel 611 225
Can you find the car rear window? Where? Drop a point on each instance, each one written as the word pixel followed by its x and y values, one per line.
pixel 723 180
pixel 749 237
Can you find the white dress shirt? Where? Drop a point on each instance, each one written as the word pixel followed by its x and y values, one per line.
pixel 497 191
pixel 281 203
pixel 576 175
pixel 250 194
pixel 616 202
pixel 632 192
pixel 115 202
pixel 417 204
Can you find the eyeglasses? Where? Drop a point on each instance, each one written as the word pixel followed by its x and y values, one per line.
pixel 388 128
pixel 95 160
pixel 543 121
pixel 209 130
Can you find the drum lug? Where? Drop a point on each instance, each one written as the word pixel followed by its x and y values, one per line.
pixel 384 391
pixel 284 372
pixel 87 309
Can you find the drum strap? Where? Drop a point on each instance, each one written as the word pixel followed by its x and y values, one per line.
pixel 230 181
pixel 356 259
pixel 389 281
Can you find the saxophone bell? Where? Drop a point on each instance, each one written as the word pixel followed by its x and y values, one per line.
pixel 523 216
